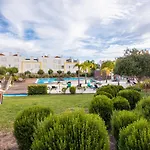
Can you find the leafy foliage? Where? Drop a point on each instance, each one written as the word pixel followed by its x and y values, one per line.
pixel 72 89
pixel 3 70
pixel 136 136
pixel 134 88
pixel 121 103
pixel 75 131
pixel 134 63
pixel 12 70
pixel 98 92
pixel 111 89
pixel 26 123
pixel 68 73
pixel 50 71
pixel 102 106
pixel 131 95
pixel 59 72
pixel 143 108
pixel 121 119
pixel 27 72
pixel 37 89
pixel 40 72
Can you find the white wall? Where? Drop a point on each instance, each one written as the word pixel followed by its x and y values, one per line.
pixel 33 66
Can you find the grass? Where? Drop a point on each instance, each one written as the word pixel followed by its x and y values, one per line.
pixel 58 103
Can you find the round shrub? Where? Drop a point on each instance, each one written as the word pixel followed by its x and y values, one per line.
pixel 119 87
pixel 103 93
pixel 71 131
pixel 134 88
pixel 121 103
pixel 136 136
pixel 26 123
pixel 111 89
pixel 131 95
pixel 121 119
pixel 102 106
pixel 72 90
pixel 106 88
pixel 143 108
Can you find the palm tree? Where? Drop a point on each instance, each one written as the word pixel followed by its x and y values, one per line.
pixel 78 65
pixel 107 67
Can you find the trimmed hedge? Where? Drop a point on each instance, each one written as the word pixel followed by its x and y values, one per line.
pixel 143 108
pixel 103 93
pixel 111 89
pixel 121 119
pixel 120 103
pixel 26 122
pixel 136 136
pixel 71 131
pixel 37 89
pixel 102 106
pixel 72 89
pixel 131 95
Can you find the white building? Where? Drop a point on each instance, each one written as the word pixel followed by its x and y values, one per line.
pixel 34 64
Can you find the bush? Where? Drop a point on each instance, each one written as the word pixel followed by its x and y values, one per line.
pixel 103 93
pixel 136 136
pixel 119 87
pixel 71 131
pixel 145 84
pixel 134 88
pixel 25 124
pixel 106 88
pixel 143 108
pixel 72 90
pixel 40 72
pixel 37 89
pixel 64 89
pixel 121 119
pixel 121 103
pixel 131 95
pixel 102 106
pixel 111 89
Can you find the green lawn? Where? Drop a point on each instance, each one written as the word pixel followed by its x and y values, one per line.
pixel 58 103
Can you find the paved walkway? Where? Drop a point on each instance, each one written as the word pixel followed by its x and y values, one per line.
pixel 20 87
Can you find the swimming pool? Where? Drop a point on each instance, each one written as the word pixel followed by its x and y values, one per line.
pixel 50 80
pixel 11 95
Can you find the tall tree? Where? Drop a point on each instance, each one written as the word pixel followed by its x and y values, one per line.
pixel 135 63
pixel 85 67
pixel 78 65
pixel 3 70
pixel 107 67
pixel 12 70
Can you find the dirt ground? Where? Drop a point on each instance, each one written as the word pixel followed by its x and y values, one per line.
pixel 7 141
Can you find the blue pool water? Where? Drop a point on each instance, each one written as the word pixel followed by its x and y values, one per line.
pixel 50 80
pixel 10 95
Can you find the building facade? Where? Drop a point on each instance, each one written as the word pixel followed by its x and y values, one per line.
pixel 34 64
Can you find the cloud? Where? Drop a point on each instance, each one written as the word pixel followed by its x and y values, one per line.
pixel 84 29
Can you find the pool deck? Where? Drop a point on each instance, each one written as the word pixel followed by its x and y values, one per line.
pixel 20 87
